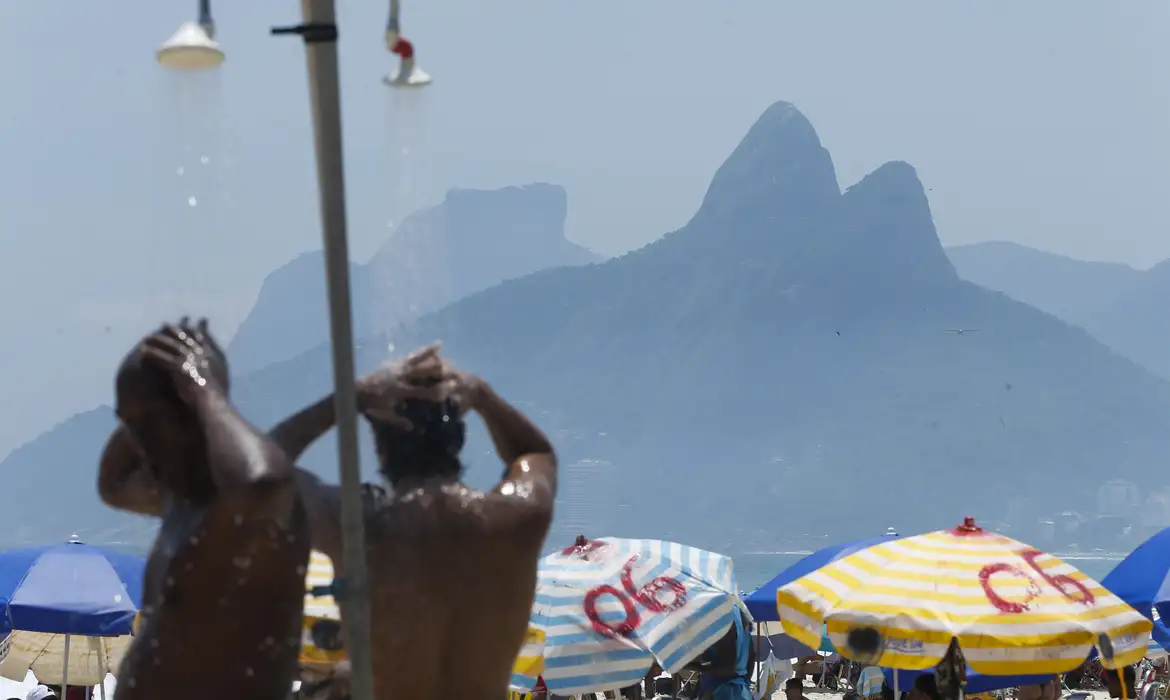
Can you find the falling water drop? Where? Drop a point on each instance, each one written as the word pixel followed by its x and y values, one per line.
pixel 191 201
pixel 204 160
pixel 180 170
pixel 390 348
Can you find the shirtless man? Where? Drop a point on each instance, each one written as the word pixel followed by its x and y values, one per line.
pixel 224 585
pixel 452 570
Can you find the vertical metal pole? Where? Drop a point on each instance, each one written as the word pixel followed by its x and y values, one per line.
pixel 65 670
pixel 325 96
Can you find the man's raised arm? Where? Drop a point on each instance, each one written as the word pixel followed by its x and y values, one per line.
pixel 378 393
pixel 531 463
pixel 242 461
pixel 125 481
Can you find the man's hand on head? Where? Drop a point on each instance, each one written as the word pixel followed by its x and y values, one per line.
pixel 185 354
pixel 462 388
pixel 418 376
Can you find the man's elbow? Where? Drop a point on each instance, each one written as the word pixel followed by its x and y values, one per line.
pixel 109 493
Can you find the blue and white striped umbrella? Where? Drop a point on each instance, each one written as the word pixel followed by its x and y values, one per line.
pixel 609 608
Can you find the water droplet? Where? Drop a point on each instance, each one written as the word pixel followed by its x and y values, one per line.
pixel 194 539
pixel 191 201
pixel 133 682
pixel 239 520
pixel 179 171
pixel 154 644
pixel 118 598
pixel 389 223
pixel 204 160
pixel 301 570
pixel 249 672
pixel 390 348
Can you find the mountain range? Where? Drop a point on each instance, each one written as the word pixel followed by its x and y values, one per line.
pixel 1125 308
pixel 471 241
pixel 785 365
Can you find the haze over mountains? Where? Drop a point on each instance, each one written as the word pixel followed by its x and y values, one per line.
pixel 471 241
pixel 1127 309
pixel 770 371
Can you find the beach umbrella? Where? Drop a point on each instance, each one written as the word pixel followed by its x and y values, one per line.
pixel 1004 607
pixel 1143 581
pixel 321 638
pixel 761 603
pixel 770 636
pixel 609 608
pixel 66 611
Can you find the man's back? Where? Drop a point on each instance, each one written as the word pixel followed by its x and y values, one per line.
pixel 452 571
pixel 455 573
pixel 228 585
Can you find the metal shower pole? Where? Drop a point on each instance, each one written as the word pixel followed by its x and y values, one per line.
pixel 319 30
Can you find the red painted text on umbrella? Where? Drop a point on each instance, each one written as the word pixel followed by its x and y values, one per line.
pixel 648 597
pixel 1072 589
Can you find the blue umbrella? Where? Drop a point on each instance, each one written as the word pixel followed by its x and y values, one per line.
pixel 976 682
pixel 761 603
pixel 1142 580
pixel 70 589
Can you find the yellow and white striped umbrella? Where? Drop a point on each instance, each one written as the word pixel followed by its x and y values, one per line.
pixel 1013 609
pixel 321 641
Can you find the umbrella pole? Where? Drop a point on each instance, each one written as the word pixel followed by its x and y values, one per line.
pixel 65 670
pixel 320 33
pixel 102 670
pixel 759 648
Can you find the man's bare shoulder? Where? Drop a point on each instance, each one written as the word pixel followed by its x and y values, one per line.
pixel 521 504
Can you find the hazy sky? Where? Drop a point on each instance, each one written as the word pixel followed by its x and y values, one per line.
pixel 1041 122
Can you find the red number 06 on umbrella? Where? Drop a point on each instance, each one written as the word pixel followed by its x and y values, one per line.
pixel 1072 589
pixel 631 598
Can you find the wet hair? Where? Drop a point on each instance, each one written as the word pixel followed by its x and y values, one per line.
pixel 430 450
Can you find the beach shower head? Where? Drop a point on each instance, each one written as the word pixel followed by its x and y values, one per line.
pixel 408 73
pixel 193 45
